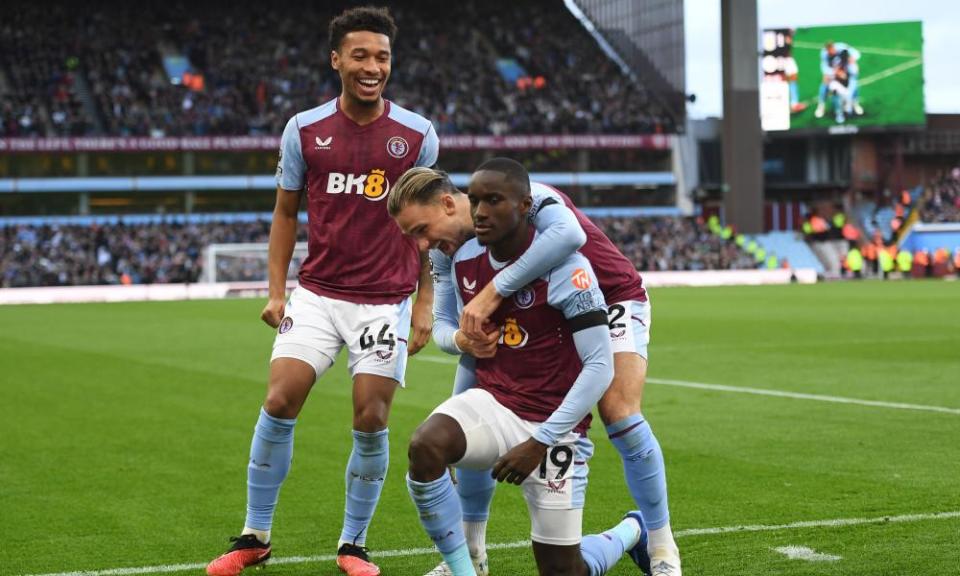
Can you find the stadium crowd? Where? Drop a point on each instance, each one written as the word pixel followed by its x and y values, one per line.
pixel 941 200
pixel 674 244
pixel 62 255
pixel 75 69
pixel 172 252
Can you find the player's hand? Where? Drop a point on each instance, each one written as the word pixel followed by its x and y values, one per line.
pixel 421 324
pixel 519 462
pixel 483 347
pixel 479 310
pixel 273 312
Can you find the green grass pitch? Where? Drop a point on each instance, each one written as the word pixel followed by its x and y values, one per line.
pixel 891 73
pixel 125 430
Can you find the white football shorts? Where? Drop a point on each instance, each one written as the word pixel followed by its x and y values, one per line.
pixel 314 329
pixel 629 326
pixel 555 492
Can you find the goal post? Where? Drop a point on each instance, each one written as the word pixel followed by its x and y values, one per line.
pixel 245 262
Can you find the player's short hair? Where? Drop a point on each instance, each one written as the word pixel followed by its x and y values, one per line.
pixel 513 170
pixel 362 18
pixel 419 185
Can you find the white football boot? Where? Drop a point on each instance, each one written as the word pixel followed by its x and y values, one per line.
pixel 665 561
pixel 481 565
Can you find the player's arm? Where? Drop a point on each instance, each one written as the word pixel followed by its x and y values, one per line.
pixel 466 376
pixel 560 235
pixel 430 149
pixel 446 326
pixel 283 230
pixel 421 318
pixel 853 55
pixel 825 68
pixel 585 311
pixel 445 314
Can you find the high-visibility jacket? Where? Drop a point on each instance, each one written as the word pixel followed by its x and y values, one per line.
pixel 854 260
pixel 886 261
pixel 904 261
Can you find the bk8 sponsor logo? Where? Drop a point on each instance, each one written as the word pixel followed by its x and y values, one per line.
pixel 373 186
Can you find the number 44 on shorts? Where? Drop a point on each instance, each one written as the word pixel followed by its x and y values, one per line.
pixel 383 338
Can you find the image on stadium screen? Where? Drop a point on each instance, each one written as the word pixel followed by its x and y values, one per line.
pixel 859 76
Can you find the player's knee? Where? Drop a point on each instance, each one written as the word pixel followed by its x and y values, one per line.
pixel 622 399
pixel 560 567
pixel 371 417
pixel 426 454
pixel 280 404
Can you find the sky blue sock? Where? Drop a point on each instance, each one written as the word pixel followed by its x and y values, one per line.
pixel 822 95
pixel 365 473
pixel 794 93
pixel 643 467
pixel 442 518
pixel 602 551
pixel 476 488
pixel 270 454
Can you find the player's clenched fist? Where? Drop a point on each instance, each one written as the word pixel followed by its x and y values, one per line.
pixel 273 312
pixel 483 347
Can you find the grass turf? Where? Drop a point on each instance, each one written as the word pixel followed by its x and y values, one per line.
pixel 126 428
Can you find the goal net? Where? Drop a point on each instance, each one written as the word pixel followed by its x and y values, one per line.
pixel 245 262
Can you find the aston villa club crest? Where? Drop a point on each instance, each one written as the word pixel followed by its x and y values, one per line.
pixel 286 324
pixel 524 297
pixel 397 147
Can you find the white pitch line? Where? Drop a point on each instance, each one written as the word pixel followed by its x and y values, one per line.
pixel 837 522
pixel 890 72
pixel 802 396
pixel 865 50
pixel 807 554
pixel 764 392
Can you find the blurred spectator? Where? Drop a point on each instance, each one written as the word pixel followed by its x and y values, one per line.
pixel 656 244
pixel 941 200
pixel 63 255
pixel 66 62
pixel 58 255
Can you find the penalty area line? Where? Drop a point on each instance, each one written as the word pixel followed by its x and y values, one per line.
pixel 833 523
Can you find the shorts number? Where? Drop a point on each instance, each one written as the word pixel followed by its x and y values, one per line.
pixel 616 312
pixel 383 338
pixel 561 457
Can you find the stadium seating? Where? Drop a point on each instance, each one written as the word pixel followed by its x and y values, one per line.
pixel 75 69
pixel 791 247
pixel 170 250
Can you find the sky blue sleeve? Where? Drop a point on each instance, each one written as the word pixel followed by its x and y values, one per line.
pixel 466 377
pixel 430 149
pixel 854 53
pixel 446 315
pixel 573 289
pixel 291 168
pixel 593 347
pixel 825 67
pixel 560 235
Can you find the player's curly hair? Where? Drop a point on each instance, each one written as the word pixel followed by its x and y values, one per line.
pixel 418 185
pixel 362 18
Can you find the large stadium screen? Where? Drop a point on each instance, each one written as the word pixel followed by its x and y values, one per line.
pixel 842 79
